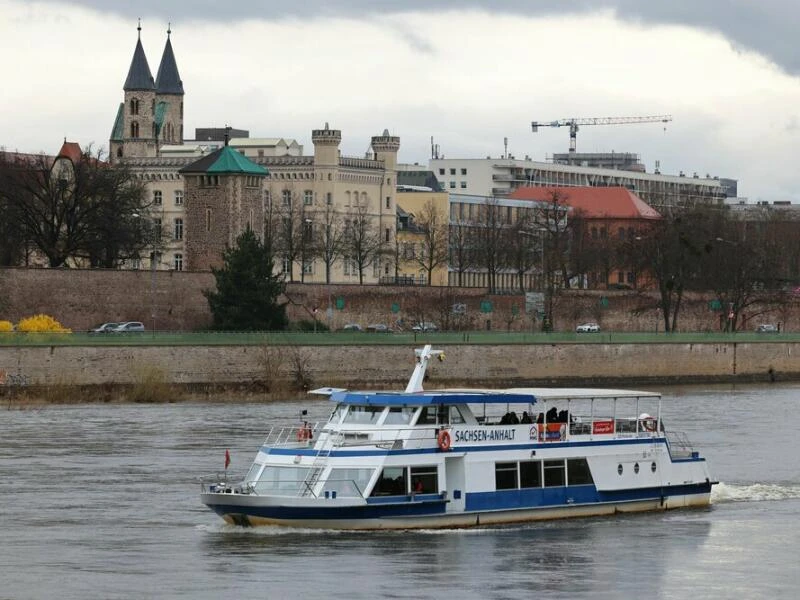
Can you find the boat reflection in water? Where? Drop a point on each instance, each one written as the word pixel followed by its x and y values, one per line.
pixel 465 457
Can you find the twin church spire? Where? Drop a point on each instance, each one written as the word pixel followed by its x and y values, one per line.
pixel 140 78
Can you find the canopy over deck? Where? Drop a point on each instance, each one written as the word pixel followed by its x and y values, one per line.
pixel 432 398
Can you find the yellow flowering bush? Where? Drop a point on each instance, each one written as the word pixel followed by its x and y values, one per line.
pixel 6 326
pixel 41 324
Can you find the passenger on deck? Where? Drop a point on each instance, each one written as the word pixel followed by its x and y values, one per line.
pixel 526 418
pixel 540 418
pixel 563 416
pixel 513 419
pixel 552 415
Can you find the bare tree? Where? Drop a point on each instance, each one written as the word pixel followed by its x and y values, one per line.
pixel 73 210
pixel 434 232
pixel 290 236
pixel 490 236
pixel 329 241
pixel 462 249
pixel 362 241
pixel 523 248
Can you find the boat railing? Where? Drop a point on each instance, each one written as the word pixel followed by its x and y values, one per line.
pixel 292 437
pixel 218 483
pixel 679 445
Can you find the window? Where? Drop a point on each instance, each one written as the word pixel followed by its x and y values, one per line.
pixel 463 171
pixel 621 233
pixel 388 202
pixel 387 234
pixel 328 198
pixel 286 265
pixel 286 195
pixel 349 483
pixel 392 482
pixel 178 197
pixel 308 267
pixel 424 480
pixel 505 476
pixel 620 277
pixel 530 474
pixel 594 233
pixel 452 185
pixel 134 106
pixel 463 185
pixel 399 415
pixel 208 219
pixel 134 129
pixel 631 278
pixel 603 233
pixel 452 171
pixel 157 197
pixel 554 473
pixel 363 415
pixel 178 262
pixel 178 229
pixel 157 230
pixel 578 472
pixel 308 197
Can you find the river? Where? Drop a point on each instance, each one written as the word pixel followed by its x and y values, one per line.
pixel 100 501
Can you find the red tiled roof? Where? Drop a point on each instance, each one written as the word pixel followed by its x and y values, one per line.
pixel 70 150
pixel 594 202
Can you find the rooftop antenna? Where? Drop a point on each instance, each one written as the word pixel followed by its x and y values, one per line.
pixel 227 134
pixel 505 147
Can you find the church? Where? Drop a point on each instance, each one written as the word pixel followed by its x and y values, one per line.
pixel 204 193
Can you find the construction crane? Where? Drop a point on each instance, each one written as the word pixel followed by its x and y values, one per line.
pixel 574 123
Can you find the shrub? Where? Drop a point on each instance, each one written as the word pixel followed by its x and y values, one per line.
pixel 6 326
pixel 308 325
pixel 150 385
pixel 41 324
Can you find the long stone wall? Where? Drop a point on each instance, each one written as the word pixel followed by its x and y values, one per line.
pixel 378 366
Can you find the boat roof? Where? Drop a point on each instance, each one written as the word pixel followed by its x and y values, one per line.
pixel 432 398
pixel 480 396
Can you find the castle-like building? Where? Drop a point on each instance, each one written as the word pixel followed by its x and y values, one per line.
pixel 203 195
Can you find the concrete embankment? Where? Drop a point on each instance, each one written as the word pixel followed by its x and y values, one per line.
pixel 208 367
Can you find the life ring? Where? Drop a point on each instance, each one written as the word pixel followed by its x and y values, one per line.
pixel 649 425
pixel 443 439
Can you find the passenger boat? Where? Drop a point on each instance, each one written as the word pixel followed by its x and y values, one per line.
pixel 464 457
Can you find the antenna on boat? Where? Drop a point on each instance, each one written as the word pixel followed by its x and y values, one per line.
pixel 418 376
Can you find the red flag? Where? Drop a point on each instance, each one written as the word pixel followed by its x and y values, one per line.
pixel 227 458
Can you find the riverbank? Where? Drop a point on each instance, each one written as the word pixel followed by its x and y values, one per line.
pixel 69 374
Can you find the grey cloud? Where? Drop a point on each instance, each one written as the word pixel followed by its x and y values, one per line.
pixel 767 27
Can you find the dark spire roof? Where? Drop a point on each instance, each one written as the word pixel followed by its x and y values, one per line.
pixel 139 76
pixel 168 80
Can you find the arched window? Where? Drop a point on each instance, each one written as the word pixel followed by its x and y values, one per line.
pixel 134 106
pixel 119 152
pixel 134 129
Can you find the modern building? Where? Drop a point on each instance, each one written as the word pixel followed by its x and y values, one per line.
pixel 499 177
pixel 417 206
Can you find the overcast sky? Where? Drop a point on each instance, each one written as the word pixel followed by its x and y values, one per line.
pixel 467 73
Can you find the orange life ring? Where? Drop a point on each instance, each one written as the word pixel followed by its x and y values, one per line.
pixel 443 439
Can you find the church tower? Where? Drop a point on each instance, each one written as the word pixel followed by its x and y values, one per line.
pixel 169 98
pixel 134 132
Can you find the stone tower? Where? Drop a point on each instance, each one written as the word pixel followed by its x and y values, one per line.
pixel 223 197
pixel 169 98
pixel 385 147
pixel 326 162
pixel 134 132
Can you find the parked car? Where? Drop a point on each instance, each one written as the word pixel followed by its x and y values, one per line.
pixel 424 327
pixel 767 328
pixel 378 328
pixel 104 328
pixel 128 327
pixel 587 328
pixel 352 327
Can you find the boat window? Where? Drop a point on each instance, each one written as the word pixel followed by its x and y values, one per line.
pixel 285 481
pixel 424 480
pixel 338 413
pixel 392 482
pixel 427 416
pixel 505 476
pixel 530 474
pixel 455 416
pixel 363 415
pixel 399 415
pixel 348 483
pixel 554 473
pixel 252 474
pixel 578 472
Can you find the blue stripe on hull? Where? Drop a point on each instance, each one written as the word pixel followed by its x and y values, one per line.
pixel 577 494
pixel 333 513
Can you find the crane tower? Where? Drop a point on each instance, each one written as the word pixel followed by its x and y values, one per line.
pixel 574 123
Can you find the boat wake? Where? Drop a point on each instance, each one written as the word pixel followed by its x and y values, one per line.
pixel 756 492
